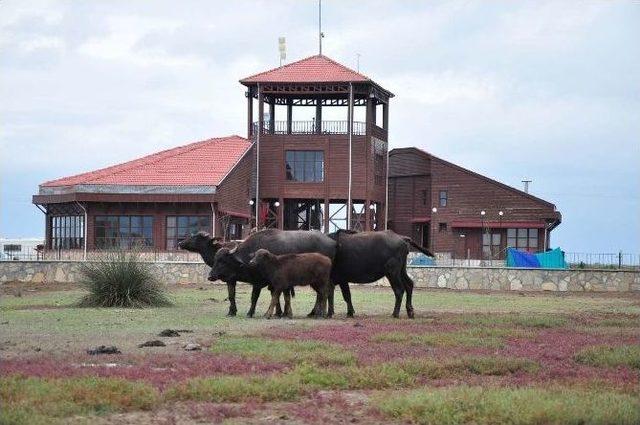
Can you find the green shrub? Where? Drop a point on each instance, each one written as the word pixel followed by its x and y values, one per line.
pixel 604 355
pixel 121 279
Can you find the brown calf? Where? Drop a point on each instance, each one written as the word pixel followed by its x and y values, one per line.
pixel 285 271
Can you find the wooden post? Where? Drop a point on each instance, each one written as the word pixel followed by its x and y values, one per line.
pixel 289 116
pixel 272 117
pixel 350 131
pixel 260 130
pixel 318 116
pixel 326 215
pixel 281 214
pixel 249 113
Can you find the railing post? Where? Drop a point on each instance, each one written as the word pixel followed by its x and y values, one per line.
pixel 620 259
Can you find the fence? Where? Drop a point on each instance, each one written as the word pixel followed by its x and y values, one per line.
pixel 575 260
pixel 620 260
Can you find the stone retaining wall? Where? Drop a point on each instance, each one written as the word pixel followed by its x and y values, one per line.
pixel 487 278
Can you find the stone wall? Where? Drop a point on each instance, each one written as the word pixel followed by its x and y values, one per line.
pixel 484 278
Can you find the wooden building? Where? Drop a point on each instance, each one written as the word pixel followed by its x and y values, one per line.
pixel 328 170
pixel 315 157
pixel 461 214
pixel 152 202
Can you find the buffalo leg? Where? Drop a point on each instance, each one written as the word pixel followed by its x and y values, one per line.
pixel 278 308
pixel 316 306
pixel 346 294
pixel 255 294
pixel 231 291
pixel 397 284
pixel 275 296
pixel 409 288
pixel 288 312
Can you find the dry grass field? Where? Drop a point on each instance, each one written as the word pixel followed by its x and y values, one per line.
pixel 467 358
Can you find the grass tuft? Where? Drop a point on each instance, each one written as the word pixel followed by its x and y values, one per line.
pixel 472 337
pixel 121 279
pixel 58 398
pixel 237 389
pixel 520 320
pixel 606 356
pixel 514 406
pixel 285 351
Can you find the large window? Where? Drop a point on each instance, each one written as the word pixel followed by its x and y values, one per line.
pixel 523 239
pixel 67 232
pixel 179 227
pixel 305 166
pixel 490 245
pixel 124 231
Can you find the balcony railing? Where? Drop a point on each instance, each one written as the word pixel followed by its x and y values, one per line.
pixel 310 127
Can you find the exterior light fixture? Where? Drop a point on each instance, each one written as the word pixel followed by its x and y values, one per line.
pixel 434 210
pixel 251 202
pixel 483 212
pixel 276 204
pixel 500 213
pixel 372 206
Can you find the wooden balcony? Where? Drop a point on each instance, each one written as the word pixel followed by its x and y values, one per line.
pixel 310 127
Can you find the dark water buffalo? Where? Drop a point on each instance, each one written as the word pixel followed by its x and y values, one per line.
pixel 368 256
pixel 288 270
pixel 205 245
pixel 232 265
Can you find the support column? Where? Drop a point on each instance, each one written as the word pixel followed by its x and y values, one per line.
pixel 350 131
pixel 281 214
pixel 249 114
pixel 272 118
pixel 325 219
pixel 367 215
pixel 260 131
pixel 319 116
pixel 289 116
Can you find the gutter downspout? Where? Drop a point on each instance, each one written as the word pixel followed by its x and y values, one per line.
pixel 386 181
pixel 260 126
pixel 84 254
pixel 350 129
pixel 213 221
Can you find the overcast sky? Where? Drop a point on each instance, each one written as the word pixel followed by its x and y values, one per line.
pixel 546 90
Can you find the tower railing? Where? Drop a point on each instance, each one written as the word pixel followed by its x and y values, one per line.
pixel 310 127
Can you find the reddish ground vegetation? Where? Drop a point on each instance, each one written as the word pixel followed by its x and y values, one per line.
pixel 158 370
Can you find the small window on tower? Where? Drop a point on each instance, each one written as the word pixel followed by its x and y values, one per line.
pixel 442 227
pixel 424 197
pixel 443 198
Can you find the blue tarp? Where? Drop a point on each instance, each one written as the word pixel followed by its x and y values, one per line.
pixel 422 260
pixel 553 259
pixel 517 258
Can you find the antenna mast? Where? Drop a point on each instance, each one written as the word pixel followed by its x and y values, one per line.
pixel 320 34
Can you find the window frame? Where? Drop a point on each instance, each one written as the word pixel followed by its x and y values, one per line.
pixel 297 161
pixel 523 239
pixel 171 242
pixel 143 223
pixel 443 201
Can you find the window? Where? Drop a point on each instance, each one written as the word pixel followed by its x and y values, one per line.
pixel 490 244
pixel 305 166
pixel 523 239
pixel 124 231
pixel 442 227
pixel 67 232
pixel 12 248
pixel 443 198
pixel 181 226
pixel 424 197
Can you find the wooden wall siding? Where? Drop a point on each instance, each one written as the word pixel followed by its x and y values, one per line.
pixel 235 191
pixel 159 212
pixel 273 182
pixel 412 171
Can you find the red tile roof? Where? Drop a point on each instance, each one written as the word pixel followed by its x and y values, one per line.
pixel 314 69
pixel 203 163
